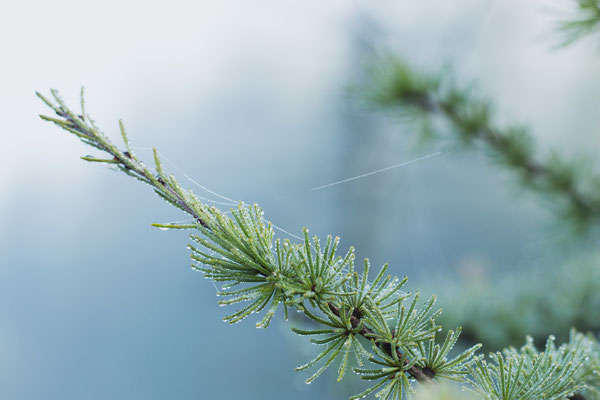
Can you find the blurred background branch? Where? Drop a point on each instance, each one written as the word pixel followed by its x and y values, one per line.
pixel 585 21
pixel 424 99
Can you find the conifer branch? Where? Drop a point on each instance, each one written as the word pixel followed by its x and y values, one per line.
pixel 424 99
pixel 263 272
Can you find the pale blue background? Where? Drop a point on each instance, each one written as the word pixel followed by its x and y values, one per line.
pixel 251 100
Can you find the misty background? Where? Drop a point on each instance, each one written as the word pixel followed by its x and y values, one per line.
pixel 254 100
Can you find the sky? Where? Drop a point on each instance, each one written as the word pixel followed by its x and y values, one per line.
pixel 250 99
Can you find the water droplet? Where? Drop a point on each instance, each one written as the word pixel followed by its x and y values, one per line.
pixel 162 228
